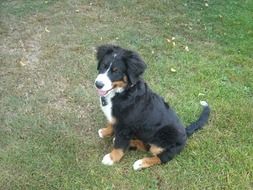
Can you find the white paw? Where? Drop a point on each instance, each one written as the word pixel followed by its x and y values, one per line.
pixel 107 160
pixel 137 165
pixel 100 133
pixel 113 140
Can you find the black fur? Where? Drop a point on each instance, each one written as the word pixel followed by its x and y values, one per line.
pixel 102 51
pixel 135 66
pixel 139 112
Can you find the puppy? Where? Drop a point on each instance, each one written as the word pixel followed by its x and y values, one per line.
pixel 138 117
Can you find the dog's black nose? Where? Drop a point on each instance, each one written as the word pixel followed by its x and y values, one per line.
pixel 99 84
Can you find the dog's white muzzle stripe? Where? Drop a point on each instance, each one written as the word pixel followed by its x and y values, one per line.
pixel 104 78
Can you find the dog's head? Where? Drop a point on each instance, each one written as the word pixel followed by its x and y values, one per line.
pixel 118 69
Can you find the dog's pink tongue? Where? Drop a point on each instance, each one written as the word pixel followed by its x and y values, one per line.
pixel 101 92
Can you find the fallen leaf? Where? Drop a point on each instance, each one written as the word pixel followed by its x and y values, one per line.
pixel 47 30
pixel 22 63
pixel 201 94
pixel 168 40
pixel 173 38
pixel 186 48
pixel 173 70
pixel 174 43
pixel 77 11
pixel 206 4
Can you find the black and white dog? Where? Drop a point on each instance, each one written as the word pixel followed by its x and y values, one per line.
pixel 137 117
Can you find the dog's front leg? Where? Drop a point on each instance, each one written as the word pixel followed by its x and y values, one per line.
pixel 107 131
pixel 121 143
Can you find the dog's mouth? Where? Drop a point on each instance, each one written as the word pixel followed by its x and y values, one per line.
pixel 117 86
pixel 104 92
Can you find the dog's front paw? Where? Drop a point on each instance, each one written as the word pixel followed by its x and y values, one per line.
pixel 100 133
pixel 105 132
pixel 137 165
pixel 107 160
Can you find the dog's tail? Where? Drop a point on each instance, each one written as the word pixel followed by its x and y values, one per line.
pixel 203 118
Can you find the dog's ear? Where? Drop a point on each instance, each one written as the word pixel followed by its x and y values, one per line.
pixel 102 51
pixel 135 66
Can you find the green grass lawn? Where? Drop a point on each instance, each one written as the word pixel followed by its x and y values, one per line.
pixel 49 110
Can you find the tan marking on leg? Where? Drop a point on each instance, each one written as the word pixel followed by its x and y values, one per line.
pixel 107 131
pixel 116 154
pixel 155 150
pixel 138 144
pixel 148 162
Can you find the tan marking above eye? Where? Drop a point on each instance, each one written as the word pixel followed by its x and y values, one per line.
pixel 114 69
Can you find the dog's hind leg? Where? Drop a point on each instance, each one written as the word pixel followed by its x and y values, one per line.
pixel 161 155
pixel 146 162
pixel 138 145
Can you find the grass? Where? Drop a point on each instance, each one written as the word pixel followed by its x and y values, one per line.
pixel 49 110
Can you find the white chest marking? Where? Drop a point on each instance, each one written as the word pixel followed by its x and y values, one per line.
pixel 107 109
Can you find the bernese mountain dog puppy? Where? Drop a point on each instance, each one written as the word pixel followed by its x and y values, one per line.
pixel 138 117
